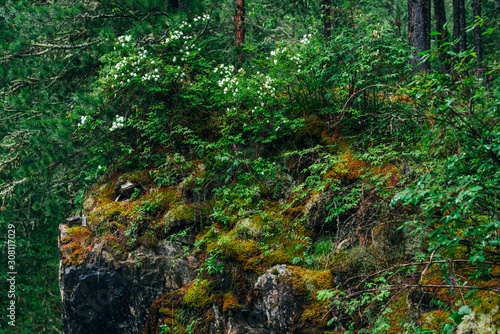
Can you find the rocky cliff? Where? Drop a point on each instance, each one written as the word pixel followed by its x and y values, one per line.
pixel 136 266
pixel 151 253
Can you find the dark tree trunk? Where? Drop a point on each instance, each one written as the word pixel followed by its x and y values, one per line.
pixel 459 25
pixel 178 4
pixel 463 40
pixel 327 17
pixel 419 32
pixel 440 18
pixel 239 22
pixel 478 39
pixel 427 23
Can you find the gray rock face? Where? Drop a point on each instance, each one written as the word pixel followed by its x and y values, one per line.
pixel 109 297
pixel 274 311
pixel 276 299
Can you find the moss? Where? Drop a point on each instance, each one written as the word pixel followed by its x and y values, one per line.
pixel 229 302
pixel 73 254
pixel 250 227
pixel 79 232
pixel 198 294
pixel 143 177
pixel 490 305
pixel 233 247
pixel 312 128
pixel 148 241
pixel 277 257
pixel 315 315
pixel 485 318
pixel 111 211
pixel 435 320
pixel 67 251
pixel 181 215
pixel 160 201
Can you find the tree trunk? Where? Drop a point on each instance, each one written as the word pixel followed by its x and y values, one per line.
pixel 463 40
pixel 178 4
pixel 459 26
pixel 478 39
pixel 327 17
pixel 419 32
pixel 239 22
pixel 440 18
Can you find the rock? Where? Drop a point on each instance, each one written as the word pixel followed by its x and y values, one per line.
pixel 105 296
pixel 276 300
pixel 125 188
pixel 74 221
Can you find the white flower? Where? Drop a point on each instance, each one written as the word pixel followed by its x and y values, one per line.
pixel 99 167
pixel 174 59
pixel 82 120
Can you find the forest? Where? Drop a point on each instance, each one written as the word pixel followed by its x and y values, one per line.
pixel 350 148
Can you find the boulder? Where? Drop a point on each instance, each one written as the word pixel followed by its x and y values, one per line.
pixel 109 296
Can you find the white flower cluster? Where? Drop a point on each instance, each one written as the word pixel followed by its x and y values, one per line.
pixel 202 18
pixel 176 35
pixel 124 39
pixel 305 39
pixel 151 76
pixel 82 120
pixel 119 122
pixel 127 38
pixel 229 81
pixel 185 51
pixel 179 34
pixel 266 87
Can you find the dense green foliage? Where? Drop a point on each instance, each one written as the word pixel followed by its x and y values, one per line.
pixel 89 89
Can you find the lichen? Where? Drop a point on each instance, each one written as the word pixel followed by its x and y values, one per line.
pixel 484 319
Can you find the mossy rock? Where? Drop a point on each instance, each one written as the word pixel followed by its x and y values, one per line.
pixel 485 318
pixel 79 232
pixel 315 315
pixel 180 216
pixel 249 228
pixel 198 294
pixel 143 177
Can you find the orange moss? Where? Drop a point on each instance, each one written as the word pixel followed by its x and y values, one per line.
pixel 398 315
pixel 229 302
pixel 436 319
pixel 79 233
